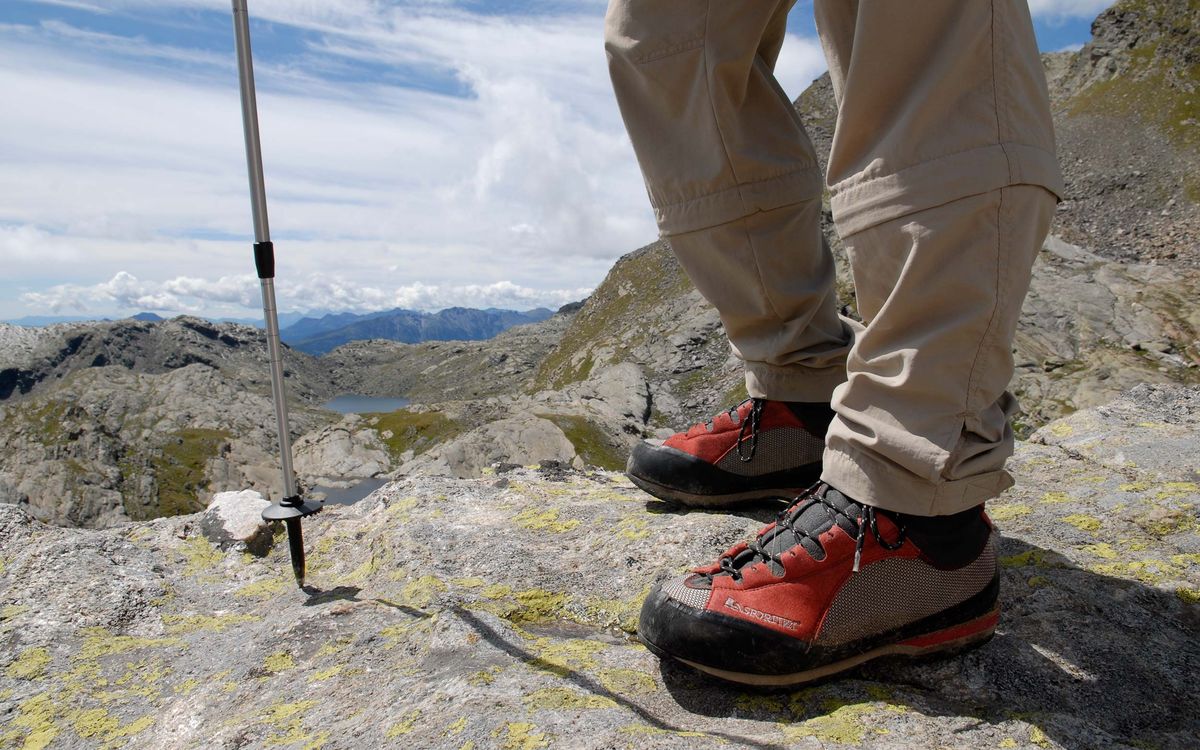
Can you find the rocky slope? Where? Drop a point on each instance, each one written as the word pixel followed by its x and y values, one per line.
pixel 448 370
pixel 1127 117
pixel 107 444
pixel 419 630
pixel 32 359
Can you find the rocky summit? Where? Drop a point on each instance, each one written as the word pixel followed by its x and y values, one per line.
pixel 486 596
pixel 499 612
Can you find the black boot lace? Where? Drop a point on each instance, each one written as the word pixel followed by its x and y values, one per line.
pixel 759 551
pixel 756 410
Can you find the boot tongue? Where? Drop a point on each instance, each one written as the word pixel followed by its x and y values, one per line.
pixel 814 515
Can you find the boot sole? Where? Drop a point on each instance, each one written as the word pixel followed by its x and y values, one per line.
pixel 944 642
pixel 714 501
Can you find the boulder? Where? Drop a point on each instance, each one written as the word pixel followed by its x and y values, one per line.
pixel 234 518
pixel 501 613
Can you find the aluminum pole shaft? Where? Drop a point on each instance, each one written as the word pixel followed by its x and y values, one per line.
pixel 262 234
pixel 254 168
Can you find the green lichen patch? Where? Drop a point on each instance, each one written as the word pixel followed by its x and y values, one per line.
pixel 634 287
pixel 591 443
pixel 327 674
pixel 623 613
pixel 633 528
pixel 1036 558
pixel 100 642
pixel 1082 522
pixel 418 431
pixel 182 624
pixel 558 699
pixel 1054 498
pixel 536 605
pixel 1161 522
pixel 422 592
pixel 200 554
pixel 520 735
pixel 404 726
pixel 262 589
pixel 280 661
pixel 1010 512
pixel 179 469
pixel 287 723
pixel 546 520
pixel 30 664
pixel 627 681
pixel 562 658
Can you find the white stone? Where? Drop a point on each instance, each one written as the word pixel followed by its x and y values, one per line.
pixel 238 513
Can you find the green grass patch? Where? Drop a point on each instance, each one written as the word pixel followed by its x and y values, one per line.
pixel 614 315
pixel 591 443
pixel 178 470
pixel 404 430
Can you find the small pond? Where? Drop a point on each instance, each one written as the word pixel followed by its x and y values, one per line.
pixel 348 403
pixel 349 495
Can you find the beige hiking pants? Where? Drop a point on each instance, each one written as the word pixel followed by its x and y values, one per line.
pixel 941 178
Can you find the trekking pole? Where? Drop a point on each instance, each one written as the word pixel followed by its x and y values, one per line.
pixel 292 507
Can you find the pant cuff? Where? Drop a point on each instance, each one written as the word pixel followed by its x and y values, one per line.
pixel 875 481
pixel 793 382
pixel 736 202
pixel 868 199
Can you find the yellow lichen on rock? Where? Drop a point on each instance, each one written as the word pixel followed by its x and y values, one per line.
pixel 627 681
pixel 557 699
pixel 521 735
pixel 404 726
pixel 1008 512
pixel 30 665
pixel 262 589
pixel 546 520
pixel 182 624
pixel 1082 522
pixel 280 661
pixel 200 554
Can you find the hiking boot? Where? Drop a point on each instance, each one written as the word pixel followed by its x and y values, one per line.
pixel 830 585
pixel 757 450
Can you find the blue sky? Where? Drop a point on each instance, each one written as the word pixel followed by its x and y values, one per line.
pixel 419 153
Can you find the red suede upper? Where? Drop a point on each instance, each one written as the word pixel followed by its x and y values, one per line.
pixel 711 446
pixel 796 604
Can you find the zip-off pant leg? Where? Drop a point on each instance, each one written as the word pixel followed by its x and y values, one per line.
pixel 733 180
pixel 942 114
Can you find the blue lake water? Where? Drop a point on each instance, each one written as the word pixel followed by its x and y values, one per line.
pixel 349 495
pixel 350 404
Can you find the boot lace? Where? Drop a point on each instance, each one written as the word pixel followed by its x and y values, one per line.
pixel 756 410
pixel 759 551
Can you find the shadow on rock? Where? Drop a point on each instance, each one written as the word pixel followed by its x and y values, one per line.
pixel 584 682
pixel 763 511
pixel 317 597
pixel 1086 660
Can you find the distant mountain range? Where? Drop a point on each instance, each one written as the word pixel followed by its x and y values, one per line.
pixel 320 335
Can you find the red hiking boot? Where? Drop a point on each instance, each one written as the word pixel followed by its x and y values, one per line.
pixel 832 584
pixel 757 450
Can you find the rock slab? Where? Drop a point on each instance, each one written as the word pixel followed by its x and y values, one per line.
pixel 499 612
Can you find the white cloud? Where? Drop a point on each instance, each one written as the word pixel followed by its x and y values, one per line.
pixel 234 294
pixel 1058 11
pixel 125 154
pixel 800 61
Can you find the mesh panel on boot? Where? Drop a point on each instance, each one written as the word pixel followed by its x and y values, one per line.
pixel 894 592
pixel 778 449
pixel 697 598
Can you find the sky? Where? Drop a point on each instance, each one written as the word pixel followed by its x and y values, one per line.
pixel 418 153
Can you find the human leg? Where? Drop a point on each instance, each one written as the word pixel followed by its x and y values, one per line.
pixel 942 176
pixel 736 190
